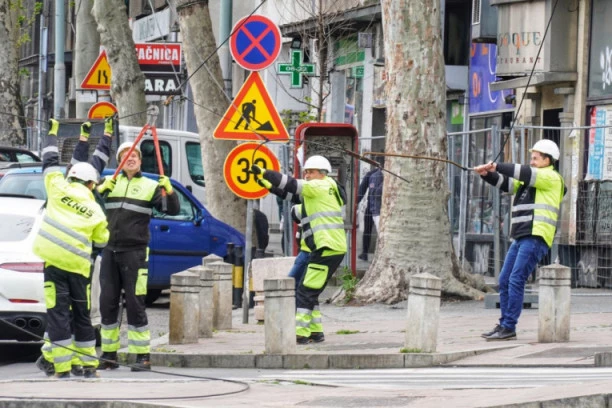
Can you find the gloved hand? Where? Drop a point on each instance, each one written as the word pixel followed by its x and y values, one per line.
pixel 264 183
pixel 53 127
pixel 164 181
pixel 108 125
pixel 255 169
pixel 85 129
pixel 107 185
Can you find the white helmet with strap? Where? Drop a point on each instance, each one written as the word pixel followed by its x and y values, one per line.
pixel 83 171
pixel 125 146
pixel 548 147
pixel 317 163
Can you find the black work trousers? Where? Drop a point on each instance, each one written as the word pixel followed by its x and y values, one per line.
pixel 67 293
pixel 120 270
pixel 308 297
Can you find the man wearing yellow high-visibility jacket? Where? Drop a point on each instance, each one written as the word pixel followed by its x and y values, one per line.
pixel 72 223
pixel 538 191
pixel 323 233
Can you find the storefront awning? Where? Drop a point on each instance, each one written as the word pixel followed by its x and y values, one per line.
pixel 538 78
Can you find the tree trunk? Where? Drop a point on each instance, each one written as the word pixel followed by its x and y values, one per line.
pixel 127 81
pixel 86 48
pixel 12 123
pixel 210 104
pixel 415 233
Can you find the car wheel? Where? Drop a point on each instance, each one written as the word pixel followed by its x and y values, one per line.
pixel 152 296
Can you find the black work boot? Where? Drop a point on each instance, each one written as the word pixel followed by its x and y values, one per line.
pixel 108 361
pixel 91 372
pixel 63 375
pixel 495 330
pixel 77 370
pixel 45 366
pixel 302 340
pixel 317 337
pixel 143 362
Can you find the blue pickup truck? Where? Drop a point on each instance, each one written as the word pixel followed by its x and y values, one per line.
pixel 178 242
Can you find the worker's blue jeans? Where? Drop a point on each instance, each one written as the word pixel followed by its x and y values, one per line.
pixel 521 260
pixel 299 267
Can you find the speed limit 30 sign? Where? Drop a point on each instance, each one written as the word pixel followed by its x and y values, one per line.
pixel 237 169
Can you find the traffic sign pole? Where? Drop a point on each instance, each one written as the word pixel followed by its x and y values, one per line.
pixel 247 262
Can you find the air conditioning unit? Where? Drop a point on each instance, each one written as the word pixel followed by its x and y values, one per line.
pixel 484 21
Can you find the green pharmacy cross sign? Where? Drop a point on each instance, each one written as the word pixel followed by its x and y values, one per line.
pixel 297 68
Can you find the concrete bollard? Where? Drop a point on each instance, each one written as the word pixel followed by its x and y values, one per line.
pixel 205 325
pixel 554 304
pixel 222 295
pixel 279 324
pixel 267 268
pixel 208 259
pixel 423 313
pixel 184 309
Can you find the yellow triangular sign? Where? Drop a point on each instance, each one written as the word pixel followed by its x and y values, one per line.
pixel 99 76
pixel 252 115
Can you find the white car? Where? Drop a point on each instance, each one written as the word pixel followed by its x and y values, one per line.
pixel 22 300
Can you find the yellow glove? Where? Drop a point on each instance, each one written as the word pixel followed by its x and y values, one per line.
pixel 53 127
pixel 85 129
pixel 107 185
pixel 108 125
pixel 264 183
pixel 164 182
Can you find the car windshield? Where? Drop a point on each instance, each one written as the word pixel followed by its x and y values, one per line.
pixel 15 227
pixel 28 184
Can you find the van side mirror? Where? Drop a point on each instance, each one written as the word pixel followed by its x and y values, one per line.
pixel 199 217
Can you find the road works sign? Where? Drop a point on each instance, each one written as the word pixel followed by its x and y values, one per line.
pixel 237 169
pixel 99 76
pixel 252 115
pixel 255 42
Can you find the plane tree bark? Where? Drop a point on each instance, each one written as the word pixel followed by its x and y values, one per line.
pixel 415 232
pixel 12 123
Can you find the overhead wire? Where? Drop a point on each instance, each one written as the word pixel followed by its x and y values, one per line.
pixel 244 386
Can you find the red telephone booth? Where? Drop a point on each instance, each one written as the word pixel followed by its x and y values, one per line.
pixel 329 140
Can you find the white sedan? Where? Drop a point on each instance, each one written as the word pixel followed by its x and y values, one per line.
pixel 22 301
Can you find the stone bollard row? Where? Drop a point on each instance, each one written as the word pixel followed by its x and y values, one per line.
pixel 423 313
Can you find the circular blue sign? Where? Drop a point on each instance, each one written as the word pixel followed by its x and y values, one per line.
pixel 255 42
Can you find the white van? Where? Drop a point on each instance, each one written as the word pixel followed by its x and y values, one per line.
pixel 181 155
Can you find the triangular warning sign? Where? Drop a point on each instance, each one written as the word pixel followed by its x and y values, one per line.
pixel 99 76
pixel 252 115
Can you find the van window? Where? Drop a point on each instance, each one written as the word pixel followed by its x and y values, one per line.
pixel 149 160
pixel 186 213
pixel 194 162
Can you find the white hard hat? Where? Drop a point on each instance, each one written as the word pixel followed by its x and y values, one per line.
pixel 83 171
pixel 125 146
pixel 317 163
pixel 548 147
